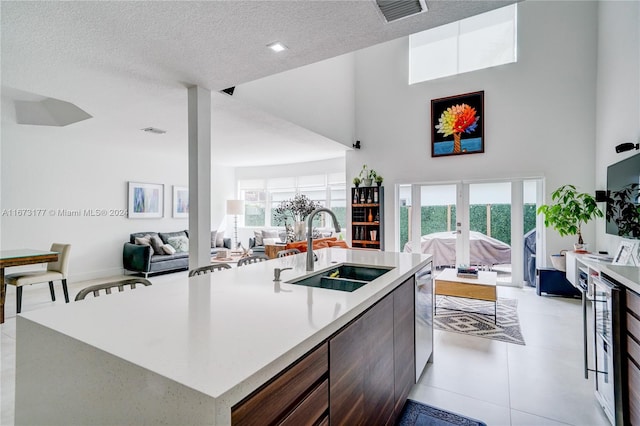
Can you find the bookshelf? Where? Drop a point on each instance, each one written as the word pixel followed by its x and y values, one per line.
pixel 367 217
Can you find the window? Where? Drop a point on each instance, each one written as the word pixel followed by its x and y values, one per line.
pixel 263 196
pixel 478 42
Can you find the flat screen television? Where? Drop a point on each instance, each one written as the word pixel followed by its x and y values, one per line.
pixel 623 174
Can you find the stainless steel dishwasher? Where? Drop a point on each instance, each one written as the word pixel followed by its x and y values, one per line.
pixel 424 317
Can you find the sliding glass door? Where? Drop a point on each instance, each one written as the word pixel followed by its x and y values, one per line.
pixel 473 223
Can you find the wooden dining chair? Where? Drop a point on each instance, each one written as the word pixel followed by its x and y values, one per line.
pixel 209 268
pixel 119 284
pixel 55 271
pixel 252 259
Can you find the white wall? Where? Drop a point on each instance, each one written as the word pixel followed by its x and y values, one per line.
pixel 618 94
pixel 538 112
pixel 318 97
pixel 52 168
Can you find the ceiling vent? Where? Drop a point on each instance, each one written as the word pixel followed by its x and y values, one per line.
pixel 398 9
pixel 154 130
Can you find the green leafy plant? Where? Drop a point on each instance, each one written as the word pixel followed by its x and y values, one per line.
pixel 367 173
pixel 379 179
pixel 357 181
pixel 569 211
pixel 623 208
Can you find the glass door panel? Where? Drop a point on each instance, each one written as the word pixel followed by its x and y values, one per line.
pixel 438 233
pixel 490 227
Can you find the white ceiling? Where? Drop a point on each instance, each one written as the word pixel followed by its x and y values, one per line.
pixel 128 63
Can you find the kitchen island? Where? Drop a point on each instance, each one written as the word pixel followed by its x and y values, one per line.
pixel 192 350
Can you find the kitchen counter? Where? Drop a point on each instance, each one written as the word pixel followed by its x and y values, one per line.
pixel 211 339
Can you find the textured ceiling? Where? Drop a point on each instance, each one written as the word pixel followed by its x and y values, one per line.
pixel 130 62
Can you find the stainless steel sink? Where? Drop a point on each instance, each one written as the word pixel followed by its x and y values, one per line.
pixel 345 277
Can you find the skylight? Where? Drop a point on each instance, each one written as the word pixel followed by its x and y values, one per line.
pixel 478 42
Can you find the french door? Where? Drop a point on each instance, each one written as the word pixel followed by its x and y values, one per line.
pixel 472 223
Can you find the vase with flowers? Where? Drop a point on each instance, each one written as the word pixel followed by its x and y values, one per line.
pixel 296 209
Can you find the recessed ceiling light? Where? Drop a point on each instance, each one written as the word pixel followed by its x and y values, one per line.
pixel 154 130
pixel 277 46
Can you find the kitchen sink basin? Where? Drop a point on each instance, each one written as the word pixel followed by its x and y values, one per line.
pixel 344 277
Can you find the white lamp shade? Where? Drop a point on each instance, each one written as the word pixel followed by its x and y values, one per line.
pixel 235 207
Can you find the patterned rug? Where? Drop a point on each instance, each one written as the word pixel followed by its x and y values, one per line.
pixel 475 317
pixel 417 414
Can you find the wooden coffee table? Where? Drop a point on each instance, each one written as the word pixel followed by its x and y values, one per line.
pixel 231 259
pixel 448 283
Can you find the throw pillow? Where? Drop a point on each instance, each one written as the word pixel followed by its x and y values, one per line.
pixel 213 238
pixel 220 239
pixel 143 241
pixel 181 244
pixel 258 236
pixel 168 249
pixel 164 236
pixel 270 241
pixel 269 234
pixel 157 244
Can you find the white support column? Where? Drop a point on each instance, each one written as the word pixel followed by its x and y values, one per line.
pixel 199 107
pixel 517 233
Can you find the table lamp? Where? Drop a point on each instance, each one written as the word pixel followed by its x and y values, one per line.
pixel 235 207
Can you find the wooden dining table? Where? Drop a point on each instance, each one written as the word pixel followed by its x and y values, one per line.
pixel 19 257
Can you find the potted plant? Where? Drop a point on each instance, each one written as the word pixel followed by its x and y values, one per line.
pixel 356 181
pixel 569 210
pixel 623 209
pixel 379 179
pixel 367 175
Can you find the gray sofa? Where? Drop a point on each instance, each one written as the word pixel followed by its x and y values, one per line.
pixel 142 258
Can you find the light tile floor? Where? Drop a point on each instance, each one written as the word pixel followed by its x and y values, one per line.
pixel 499 383
pixel 541 383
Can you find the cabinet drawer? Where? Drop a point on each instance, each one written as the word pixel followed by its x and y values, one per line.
pixel 277 397
pixel 633 302
pixel 633 349
pixel 633 326
pixel 634 393
pixel 311 409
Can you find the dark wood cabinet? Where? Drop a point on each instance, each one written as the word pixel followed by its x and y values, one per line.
pixel 372 362
pixel 367 217
pixel 299 392
pixel 361 370
pixel 631 388
pixel 404 359
pixel 360 376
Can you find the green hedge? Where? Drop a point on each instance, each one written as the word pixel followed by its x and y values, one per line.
pixel 434 219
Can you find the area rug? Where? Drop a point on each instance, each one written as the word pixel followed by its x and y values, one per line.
pixel 417 414
pixel 475 318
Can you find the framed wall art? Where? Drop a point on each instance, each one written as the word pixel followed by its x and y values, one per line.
pixel 457 125
pixel 180 202
pixel 626 253
pixel 146 200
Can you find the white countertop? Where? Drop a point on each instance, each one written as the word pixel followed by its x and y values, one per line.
pixel 227 332
pixel 629 276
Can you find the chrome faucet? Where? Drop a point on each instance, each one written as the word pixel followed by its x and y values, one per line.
pixel 277 271
pixel 310 233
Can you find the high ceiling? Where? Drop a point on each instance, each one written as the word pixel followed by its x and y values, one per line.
pixel 128 63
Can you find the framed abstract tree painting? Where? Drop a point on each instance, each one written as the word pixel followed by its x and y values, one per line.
pixel 457 125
